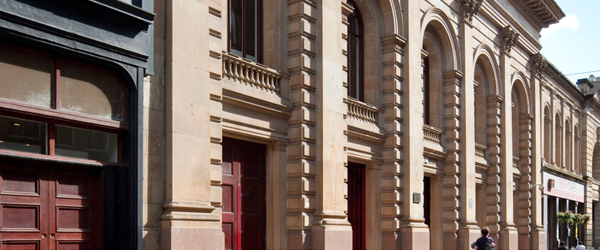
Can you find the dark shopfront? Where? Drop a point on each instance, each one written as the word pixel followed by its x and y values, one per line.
pixel 71 74
pixel 560 195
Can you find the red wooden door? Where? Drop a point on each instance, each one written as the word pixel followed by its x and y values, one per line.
pixel 244 195
pixel 44 206
pixel 356 204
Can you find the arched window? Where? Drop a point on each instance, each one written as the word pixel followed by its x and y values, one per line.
pixel 558 141
pixel 56 107
pixel 547 134
pixel 576 146
pixel 481 84
pixel 245 29
pixel 426 92
pixel 516 122
pixel 356 78
pixel 568 146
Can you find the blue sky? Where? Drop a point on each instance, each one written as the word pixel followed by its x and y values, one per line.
pixel 572 44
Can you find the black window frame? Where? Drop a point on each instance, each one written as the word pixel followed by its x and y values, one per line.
pixel 356 84
pixel 257 39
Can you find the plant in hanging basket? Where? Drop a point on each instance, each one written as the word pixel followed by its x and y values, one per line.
pixel 577 219
pixel 565 217
pixel 585 218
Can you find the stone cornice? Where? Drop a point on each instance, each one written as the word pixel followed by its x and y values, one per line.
pixel 540 13
pixel 500 17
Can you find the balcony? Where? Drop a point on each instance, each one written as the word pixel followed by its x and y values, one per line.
pixel 362 111
pixel 432 141
pixel 432 134
pixel 251 74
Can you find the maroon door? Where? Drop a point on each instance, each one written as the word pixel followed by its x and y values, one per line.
pixel 47 206
pixel 244 195
pixel 356 204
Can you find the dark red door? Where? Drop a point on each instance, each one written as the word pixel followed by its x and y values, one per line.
pixel 47 206
pixel 356 204
pixel 244 195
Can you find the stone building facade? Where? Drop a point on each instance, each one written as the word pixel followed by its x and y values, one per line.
pixel 364 124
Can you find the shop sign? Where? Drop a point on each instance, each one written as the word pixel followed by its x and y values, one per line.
pixel 563 188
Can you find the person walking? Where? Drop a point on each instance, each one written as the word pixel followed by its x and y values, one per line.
pixel 562 246
pixel 580 246
pixel 484 240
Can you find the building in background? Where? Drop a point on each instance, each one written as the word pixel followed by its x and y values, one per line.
pixel 362 124
pixel 71 85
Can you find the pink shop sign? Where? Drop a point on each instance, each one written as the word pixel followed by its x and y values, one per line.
pixel 563 188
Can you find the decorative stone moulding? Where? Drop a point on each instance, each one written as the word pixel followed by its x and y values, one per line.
pixel 509 38
pixel 538 63
pixel 432 134
pixel 470 8
pixel 362 111
pixel 251 73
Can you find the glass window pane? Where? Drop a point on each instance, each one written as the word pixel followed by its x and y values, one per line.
pixel 86 144
pixel 236 27
pixel 23 135
pixel 251 30
pixel 91 91
pixel 25 76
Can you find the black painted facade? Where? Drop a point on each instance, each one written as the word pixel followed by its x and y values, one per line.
pixel 114 34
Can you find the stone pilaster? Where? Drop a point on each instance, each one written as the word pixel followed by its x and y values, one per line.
pixel 452 164
pixel 494 118
pixel 193 173
pixel 538 234
pixel 508 233
pixel 414 232
pixel 392 175
pixel 524 188
pixel 331 229
pixel 468 229
pixel 589 210
pixel 301 166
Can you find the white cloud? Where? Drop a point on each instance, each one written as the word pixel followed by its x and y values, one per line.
pixel 569 22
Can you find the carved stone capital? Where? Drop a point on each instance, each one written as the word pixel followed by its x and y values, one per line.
pixel 538 63
pixel 470 8
pixel 509 39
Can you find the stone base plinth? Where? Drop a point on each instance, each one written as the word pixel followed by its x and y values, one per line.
pixel 538 239
pixel 509 239
pixel 416 237
pixel 332 237
pixel 192 238
pixel 468 235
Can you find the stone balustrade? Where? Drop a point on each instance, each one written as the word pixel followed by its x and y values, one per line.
pixel 251 73
pixel 432 134
pixel 362 111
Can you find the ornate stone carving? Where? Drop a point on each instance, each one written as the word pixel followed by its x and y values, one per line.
pixel 509 39
pixel 538 63
pixel 470 8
